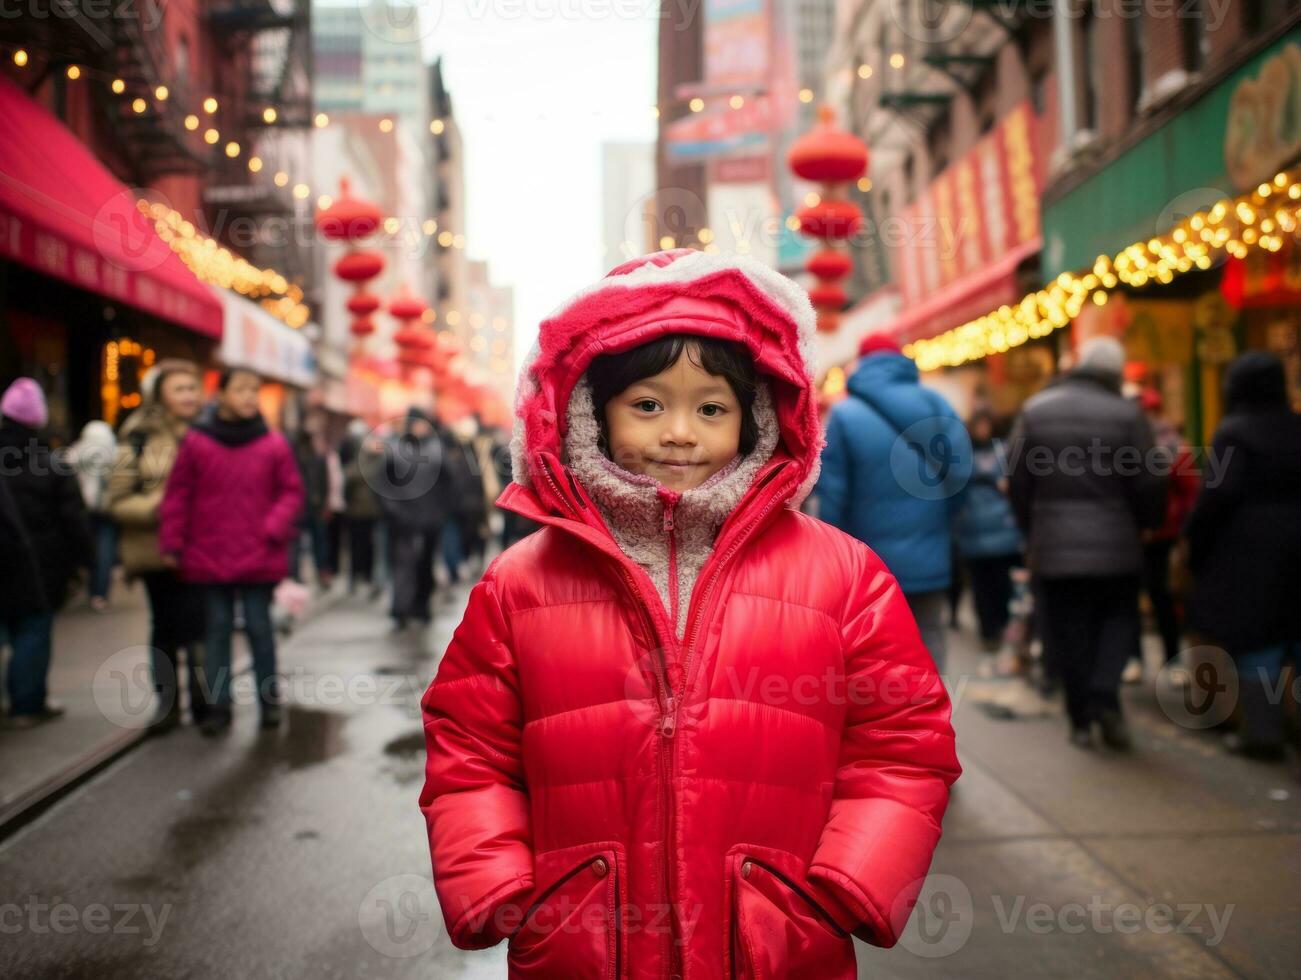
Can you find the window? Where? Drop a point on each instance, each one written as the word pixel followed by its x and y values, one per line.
pixel 1136 57
pixel 1192 30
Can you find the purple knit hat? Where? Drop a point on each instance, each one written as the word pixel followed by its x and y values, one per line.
pixel 24 402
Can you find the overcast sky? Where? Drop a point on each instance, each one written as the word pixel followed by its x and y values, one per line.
pixel 538 86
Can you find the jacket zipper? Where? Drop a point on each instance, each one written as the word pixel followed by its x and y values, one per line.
pixel 669 696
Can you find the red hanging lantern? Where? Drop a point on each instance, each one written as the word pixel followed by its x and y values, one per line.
pixel 828 321
pixel 828 296
pixel 363 326
pixel 348 219
pixel 828 154
pixel 831 156
pixel 830 264
pixel 829 219
pixel 362 303
pixel 359 265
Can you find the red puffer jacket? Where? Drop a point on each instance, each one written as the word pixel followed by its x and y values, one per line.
pixel 622 804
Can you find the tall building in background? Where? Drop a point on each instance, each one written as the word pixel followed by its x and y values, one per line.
pixel 446 187
pixel 737 84
pixel 369 59
pixel 627 196
pixel 490 330
pixel 679 209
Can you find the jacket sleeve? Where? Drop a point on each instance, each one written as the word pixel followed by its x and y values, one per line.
pixel 278 525
pixel 1149 484
pixel 1220 496
pixel 1020 485
pixel 129 505
pixel 474 800
pixel 897 762
pixel 174 514
pixel 833 484
pixel 71 509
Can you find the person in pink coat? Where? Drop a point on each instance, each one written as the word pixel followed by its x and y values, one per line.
pixel 228 514
pixel 684 729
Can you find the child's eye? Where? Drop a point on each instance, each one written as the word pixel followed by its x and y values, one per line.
pixel 646 404
pixel 712 411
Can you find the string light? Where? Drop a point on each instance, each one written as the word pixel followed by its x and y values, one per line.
pixel 210 105
pixel 138 105
pixel 191 122
pixel 218 266
pixel 20 58
pixel 269 115
pixel 322 120
pixel 118 86
pixel 437 126
pixel 161 93
pixel 73 73
pixel 1233 226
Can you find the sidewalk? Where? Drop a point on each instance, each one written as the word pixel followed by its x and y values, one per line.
pixel 98 670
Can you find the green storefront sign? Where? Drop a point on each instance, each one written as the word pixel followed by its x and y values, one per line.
pixel 1236 135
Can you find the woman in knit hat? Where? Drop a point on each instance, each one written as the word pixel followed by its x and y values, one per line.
pixel 47 502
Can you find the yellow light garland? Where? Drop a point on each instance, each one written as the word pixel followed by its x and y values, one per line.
pixel 1234 226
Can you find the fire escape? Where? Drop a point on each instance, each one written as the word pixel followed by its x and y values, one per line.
pixel 272 40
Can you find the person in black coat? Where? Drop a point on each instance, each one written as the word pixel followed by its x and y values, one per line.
pixel 1244 537
pixel 415 493
pixel 1085 481
pixel 46 501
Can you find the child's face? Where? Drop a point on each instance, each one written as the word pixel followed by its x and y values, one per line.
pixel 239 398
pixel 680 426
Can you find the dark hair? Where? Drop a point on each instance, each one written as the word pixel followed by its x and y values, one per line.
pixel 228 373
pixel 610 374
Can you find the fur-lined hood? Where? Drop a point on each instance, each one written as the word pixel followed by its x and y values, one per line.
pixel 678 291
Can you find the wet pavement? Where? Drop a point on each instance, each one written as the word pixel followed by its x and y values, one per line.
pixel 302 853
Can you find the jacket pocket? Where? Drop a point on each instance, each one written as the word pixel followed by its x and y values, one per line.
pixel 570 928
pixel 774 928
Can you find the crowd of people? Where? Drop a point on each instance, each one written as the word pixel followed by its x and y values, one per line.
pixel 209 509
pixel 1096 500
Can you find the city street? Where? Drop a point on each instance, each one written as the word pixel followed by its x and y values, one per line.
pixel 302 853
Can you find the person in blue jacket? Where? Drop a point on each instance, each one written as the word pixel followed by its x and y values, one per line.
pixel 894 470
pixel 989 540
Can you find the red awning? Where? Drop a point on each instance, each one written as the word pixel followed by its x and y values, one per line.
pixel 966 299
pixel 64 214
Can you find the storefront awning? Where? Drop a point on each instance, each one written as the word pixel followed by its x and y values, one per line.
pixel 964 300
pixel 254 339
pixel 64 214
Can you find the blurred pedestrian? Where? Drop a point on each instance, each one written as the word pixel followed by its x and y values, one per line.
pixel 92 457
pixel 603 730
pixel 463 537
pixel 47 503
pixel 989 540
pixel 232 501
pixel 311 455
pixel 1245 547
pixel 893 473
pixel 361 456
pixel 150 437
pixel 1159 543
pixel 513 526
pixel 1084 486
pixel 416 498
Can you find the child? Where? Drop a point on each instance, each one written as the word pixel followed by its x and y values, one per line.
pixel 683 728
pixel 230 508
